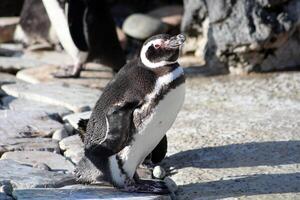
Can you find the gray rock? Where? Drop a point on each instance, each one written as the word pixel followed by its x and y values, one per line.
pixel 266 40
pixel 74 97
pixel 72 147
pixel 29 144
pixel 83 192
pixel 93 77
pixel 6 79
pixel 41 166
pixel 21 104
pixel 73 119
pixel 26 124
pixel 142 26
pixel 25 177
pixel 55 161
pixel 159 172
pixel 5 197
pixel 14 64
pixel 60 134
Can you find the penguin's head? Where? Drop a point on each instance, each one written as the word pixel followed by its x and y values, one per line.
pixel 161 50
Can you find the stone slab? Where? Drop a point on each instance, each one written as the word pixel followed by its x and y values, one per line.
pixel 93 77
pixel 14 64
pixel 29 144
pixel 55 161
pixel 20 104
pixel 74 97
pixel 26 124
pixel 5 197
pixel 83 192
pixel 24 177
pixel 74 118
pixel 72 147
pixel 6 78
pixel 49 57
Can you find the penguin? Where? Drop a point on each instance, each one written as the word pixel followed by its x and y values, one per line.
pixel 81 26
pixel 132 116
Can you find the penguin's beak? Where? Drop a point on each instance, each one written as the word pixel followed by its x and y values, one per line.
pixel 175 41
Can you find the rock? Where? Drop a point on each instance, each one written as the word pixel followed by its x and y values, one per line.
pixel 5 197
pixel 21 104
pixel 83 192
pixel 14 64
pixel 171 15
pixel 74 97
pixel 26 124
pixel 41 166
pixel 29 144
pixel 55 161
pixel 49 57
pixel 72 147
pixel 267 40
pixel 142 26
pixel 60 134
pixel 7 28
pixel 25 177
pixel 159 172
pixel 236 137
pixel 73 119
pixel 93 76
pixel 6 79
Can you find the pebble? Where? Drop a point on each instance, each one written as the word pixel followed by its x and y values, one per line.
pixel 159 172
pixel 142 26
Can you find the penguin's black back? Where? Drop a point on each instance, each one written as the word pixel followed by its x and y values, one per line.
pixel 133 82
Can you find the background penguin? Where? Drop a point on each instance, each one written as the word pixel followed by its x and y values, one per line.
pixel 132 116
pixel 82 27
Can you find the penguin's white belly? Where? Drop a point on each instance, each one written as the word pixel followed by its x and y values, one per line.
pixel 154 129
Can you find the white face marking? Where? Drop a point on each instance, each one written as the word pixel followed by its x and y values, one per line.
pixel 158 123
pixel 60 24
pixel 147 62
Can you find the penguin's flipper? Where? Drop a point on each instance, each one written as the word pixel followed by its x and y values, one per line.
pixel 119 119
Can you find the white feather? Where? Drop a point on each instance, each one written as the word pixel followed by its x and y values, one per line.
pixel 147 62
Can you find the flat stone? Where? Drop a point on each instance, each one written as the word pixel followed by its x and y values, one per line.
pixel 6 78
pixel 74 118
pixel 55 161
pixel 14 64
pixel 24 177
pixel 92 76
pixel 83 192
pixel 142 26
pixel 237 137
pixel 73 148
pixel 21 104
pixel 5 197
pixel 29 144
pixel 26 124
pixel 74 97
pixel 7 28
pixel 60 134
pixel 49 57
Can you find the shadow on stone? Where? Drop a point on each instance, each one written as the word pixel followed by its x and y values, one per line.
pixel 248 186
pixel 238 155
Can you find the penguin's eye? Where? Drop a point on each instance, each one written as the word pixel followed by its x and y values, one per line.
pixel 156 46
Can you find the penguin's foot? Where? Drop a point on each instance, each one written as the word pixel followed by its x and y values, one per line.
pixel 72 71
pixel 146 186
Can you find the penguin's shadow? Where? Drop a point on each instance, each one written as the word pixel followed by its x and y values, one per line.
pixel 241 155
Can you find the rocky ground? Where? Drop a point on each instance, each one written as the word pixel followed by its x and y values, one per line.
pixel 236 137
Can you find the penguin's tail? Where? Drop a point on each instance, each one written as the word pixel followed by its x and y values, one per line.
pixel 82 126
